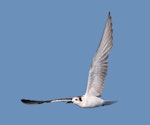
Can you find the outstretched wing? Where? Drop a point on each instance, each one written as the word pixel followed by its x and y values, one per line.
pixel 27 101
pixel 98 69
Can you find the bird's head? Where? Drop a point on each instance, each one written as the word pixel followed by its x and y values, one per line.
pixel 77 100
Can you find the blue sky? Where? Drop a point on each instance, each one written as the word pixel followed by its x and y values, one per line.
pixel 46 48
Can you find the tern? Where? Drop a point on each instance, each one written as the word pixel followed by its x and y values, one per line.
pixel 98 70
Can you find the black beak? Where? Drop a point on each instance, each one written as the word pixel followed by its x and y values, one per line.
pixel 69 102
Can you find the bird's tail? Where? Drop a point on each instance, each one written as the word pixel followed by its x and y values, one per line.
pixel 108 102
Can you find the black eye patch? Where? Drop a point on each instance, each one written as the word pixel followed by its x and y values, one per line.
pixel 80 98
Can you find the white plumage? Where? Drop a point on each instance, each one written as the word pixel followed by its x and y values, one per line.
pixel 99 64
pixel 96 77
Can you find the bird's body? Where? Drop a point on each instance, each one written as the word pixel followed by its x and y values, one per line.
pixel 90 101
pixel 98 70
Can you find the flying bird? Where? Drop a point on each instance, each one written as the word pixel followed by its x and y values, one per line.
pixel 98 70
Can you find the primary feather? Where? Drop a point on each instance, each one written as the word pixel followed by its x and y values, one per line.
pixel 27 101
pixel 98 69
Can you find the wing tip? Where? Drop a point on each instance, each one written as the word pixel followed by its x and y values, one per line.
pixel 25 101
pixel 109 15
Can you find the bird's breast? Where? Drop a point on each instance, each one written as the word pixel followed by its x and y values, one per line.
pixel 92 101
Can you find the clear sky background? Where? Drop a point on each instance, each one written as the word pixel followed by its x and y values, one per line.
pixel 46 48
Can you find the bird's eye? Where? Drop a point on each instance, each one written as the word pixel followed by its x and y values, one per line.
pixel 76 99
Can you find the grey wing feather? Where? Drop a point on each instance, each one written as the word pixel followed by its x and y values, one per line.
pixel 27 101
pixel 98 69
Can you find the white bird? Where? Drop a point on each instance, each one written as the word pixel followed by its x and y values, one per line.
pixel 97 73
